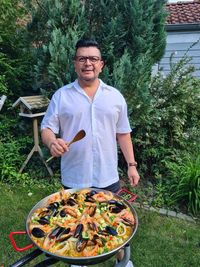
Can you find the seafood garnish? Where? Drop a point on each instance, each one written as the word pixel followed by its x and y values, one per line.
pixel 82 224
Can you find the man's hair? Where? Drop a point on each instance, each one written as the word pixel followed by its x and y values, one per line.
pixel 87 43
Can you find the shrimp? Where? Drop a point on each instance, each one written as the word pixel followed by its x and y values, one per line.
pixel 101 196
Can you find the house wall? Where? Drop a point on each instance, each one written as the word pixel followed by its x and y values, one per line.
pixel 179 43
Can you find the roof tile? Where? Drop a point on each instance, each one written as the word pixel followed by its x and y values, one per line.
pixel 183 12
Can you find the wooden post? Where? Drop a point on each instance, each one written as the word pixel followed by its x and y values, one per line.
pixel 36 147
pixel 2 101
pixel 28 105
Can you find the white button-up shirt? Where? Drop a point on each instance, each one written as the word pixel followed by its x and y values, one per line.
pixel 91 161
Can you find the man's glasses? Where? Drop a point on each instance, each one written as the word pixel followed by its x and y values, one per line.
pixel 92 59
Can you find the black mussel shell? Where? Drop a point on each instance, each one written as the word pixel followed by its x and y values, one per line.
pixel 111 230
pixel 53 206
pixel 44 220
pixel 37 232
pixel 81 244
pixel 91 193
pixel 63 213
pixel 71 202
pixel 79 230
pixel 56 232
pixel 63 202
pixel 90 199
pixel 114 209
pixel 121 205
pixel 63 235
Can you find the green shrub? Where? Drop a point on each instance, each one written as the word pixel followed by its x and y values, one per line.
pixel 10 160
pixel 185 175
pixel 171 122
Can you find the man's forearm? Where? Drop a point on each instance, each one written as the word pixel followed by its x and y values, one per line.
pixel 48 137
pixel 126 146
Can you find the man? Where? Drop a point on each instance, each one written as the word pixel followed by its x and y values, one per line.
pixel 89 104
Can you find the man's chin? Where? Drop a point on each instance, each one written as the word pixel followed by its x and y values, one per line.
pixel 88 79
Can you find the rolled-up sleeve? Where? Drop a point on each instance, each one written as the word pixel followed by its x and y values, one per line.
pixel 51 119
pixel 123 125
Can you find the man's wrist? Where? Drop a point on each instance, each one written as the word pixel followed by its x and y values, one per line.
pixel 50 144
pixel 132 164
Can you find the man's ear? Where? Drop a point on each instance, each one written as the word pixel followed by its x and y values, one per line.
pixel 102 65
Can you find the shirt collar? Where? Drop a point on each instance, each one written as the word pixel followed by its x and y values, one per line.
pixel 102 85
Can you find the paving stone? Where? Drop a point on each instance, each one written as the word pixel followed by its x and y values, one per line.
pixel 153 209
pixel 146 207
pixel 171 213
pixel 185 217
pixel 162 211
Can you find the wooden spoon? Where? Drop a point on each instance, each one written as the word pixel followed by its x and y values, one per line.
pixel 80 135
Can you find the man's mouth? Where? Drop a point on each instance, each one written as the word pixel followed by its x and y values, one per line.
pixel 86 70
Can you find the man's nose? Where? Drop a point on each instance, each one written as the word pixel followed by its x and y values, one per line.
pixel 87 61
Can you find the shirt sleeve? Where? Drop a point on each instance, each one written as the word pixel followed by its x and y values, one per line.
pixel 51 119
pixel 123 125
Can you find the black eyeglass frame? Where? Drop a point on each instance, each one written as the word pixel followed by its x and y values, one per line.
pixel 92 59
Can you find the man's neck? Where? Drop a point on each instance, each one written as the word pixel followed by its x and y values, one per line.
pixel 90 87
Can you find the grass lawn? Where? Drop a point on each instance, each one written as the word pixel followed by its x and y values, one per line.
pixel 160 241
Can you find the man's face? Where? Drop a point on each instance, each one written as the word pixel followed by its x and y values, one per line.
pixel 88 63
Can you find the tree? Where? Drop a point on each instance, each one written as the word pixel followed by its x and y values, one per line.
pixel 14 58
pixel 130 32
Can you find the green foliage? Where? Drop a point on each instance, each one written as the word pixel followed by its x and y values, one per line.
pixel 124 29
pixel 185 176
pixel 3 85
pixel 15 59
pixel 172 120
pixel 10 161
pixel 55 28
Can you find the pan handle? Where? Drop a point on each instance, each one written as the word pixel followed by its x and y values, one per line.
pixel 127 195
pixel 15 245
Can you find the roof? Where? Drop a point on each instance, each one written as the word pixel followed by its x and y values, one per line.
pixel 183 12
pixel 32 102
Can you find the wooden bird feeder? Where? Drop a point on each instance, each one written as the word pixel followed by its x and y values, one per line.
pixel 33 107
pixel 2 101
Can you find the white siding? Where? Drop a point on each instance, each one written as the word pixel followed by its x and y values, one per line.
pixel 179 43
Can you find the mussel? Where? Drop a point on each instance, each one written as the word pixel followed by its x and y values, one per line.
pixel 114 209
pixel 44 220
pixel 71 202
pixel 56 232
pixel 81 244
pixel 78 230
pixel 91 193
pixel 53 206
pixel 90 199
pixel 64 235
pixel 120 205
pixel 108 231
pixel 63 213
pixel 111 230
pixel 37 232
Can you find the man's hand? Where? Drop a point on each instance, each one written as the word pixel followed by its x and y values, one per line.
pixel 133 175
pixel 58 147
